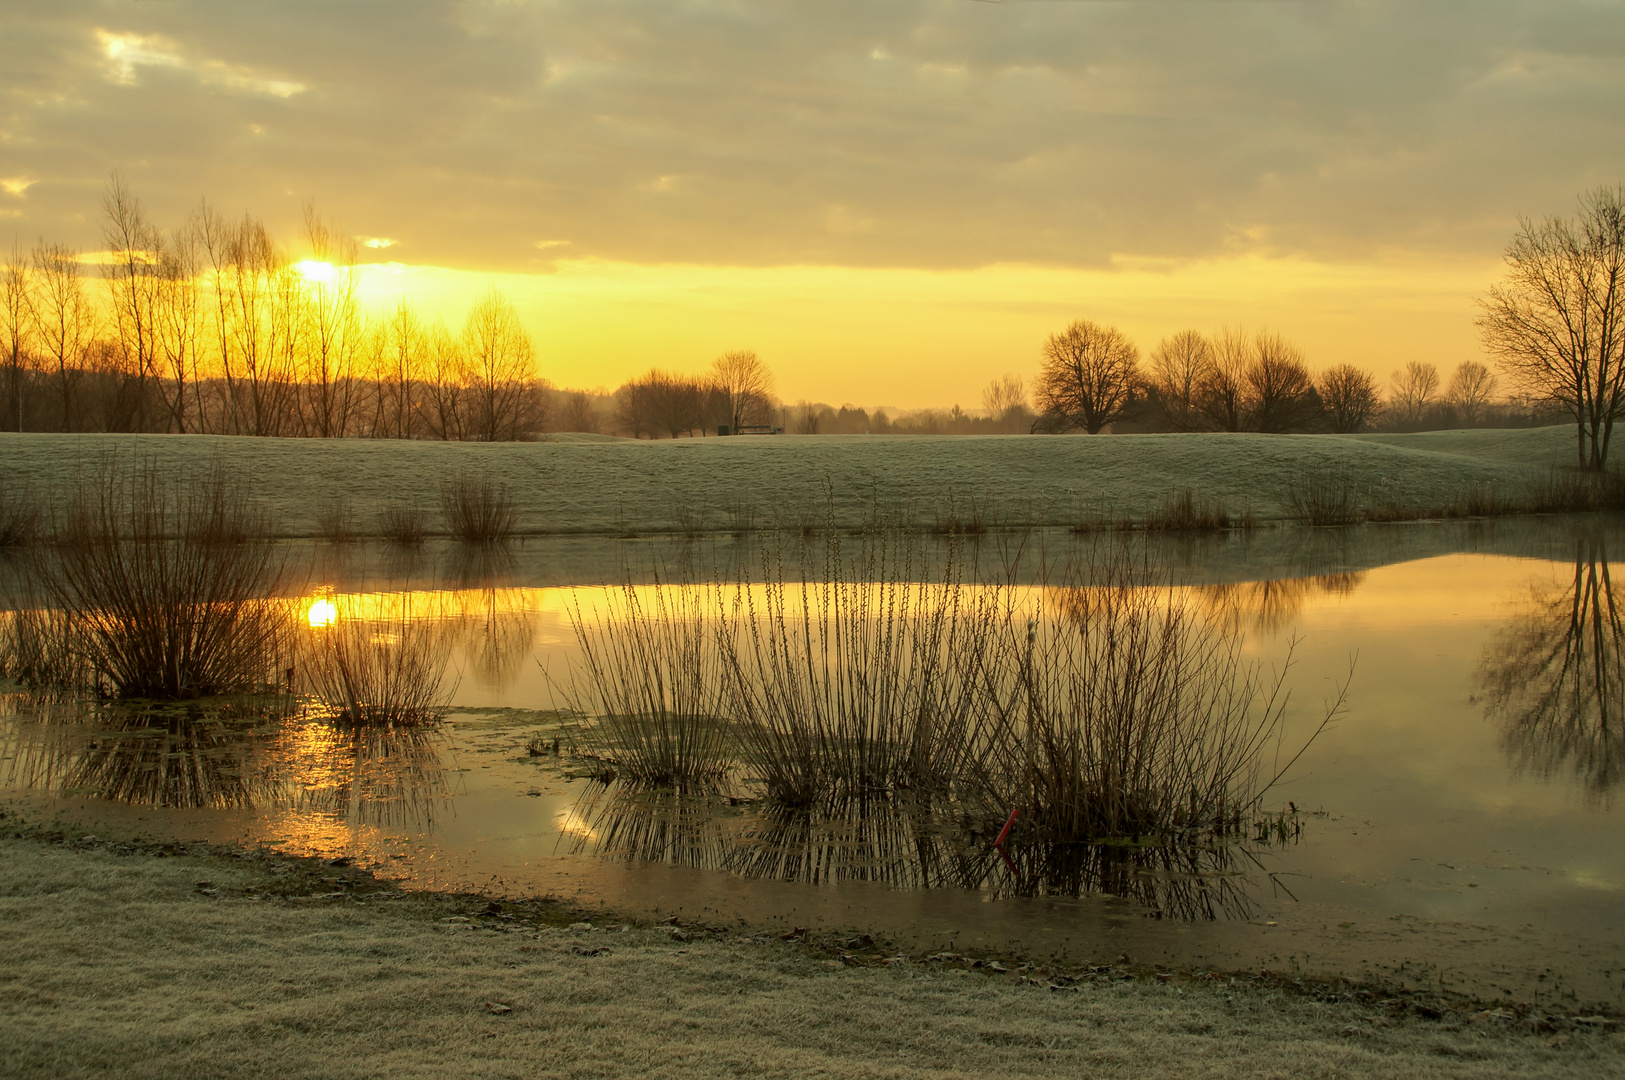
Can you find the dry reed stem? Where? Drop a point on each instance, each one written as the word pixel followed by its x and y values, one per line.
pixel 164 589
pixel 381 662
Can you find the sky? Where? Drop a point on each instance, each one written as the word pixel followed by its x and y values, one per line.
pixel 889 202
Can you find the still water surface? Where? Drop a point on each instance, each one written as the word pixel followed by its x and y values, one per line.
pixel 1458 823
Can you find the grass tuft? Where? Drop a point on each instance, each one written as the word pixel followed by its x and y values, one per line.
pixel 478 509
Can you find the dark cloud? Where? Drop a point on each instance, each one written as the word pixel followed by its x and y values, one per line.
pixel 936 134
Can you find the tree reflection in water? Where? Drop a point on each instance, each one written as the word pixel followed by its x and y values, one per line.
pixel 906 846
pixel 1555 681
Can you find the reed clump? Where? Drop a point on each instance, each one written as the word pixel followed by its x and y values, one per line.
pixel 652 675
pixel 1189 512
pixel 1101 707
pixel 379 661
pixel 1318 499
pixel 852 669
pixel 478 509
pixel 403 523
pixel 20 515
pixel 336 521
pixel 1121 710
pixel 162 588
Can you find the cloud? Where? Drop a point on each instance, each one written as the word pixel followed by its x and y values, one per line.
pixel 127 54
pixel 920 133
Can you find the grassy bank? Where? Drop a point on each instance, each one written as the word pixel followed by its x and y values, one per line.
pixel 221 963
pixel 624 487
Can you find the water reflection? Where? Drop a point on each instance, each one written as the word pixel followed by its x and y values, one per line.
pixel 186 755
pixel 242 755
pixel 906 846
pixel 1554 678
pixel 1268 607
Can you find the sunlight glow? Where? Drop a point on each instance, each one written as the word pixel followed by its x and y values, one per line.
pixel 317 271
pixel 322 613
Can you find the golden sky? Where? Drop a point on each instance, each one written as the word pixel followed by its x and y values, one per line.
pixel 892 203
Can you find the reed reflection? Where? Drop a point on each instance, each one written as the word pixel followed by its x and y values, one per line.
pixel 388 776
pixel 1555 681
pixel 188 755
pixel 905 845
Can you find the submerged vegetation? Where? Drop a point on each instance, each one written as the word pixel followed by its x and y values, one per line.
pixel 1095 707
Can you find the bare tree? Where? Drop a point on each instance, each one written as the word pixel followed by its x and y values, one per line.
pixel 1222 393
pixel 1350 398
pixel 1088 377
pixel 1472 388
pixel 63 321
pixel 745 389
pixel 1180 367
pixel 1280 390
pixel 578 413
pixel 332 334
pixel 16 327
pixel 1415 387
pixel 807 418
pixel 1557 324
pixel 445 408
pixel 132 274
pixel 257 319
pixel 502 369
pixel 178 327
pixel 400 354
pixel 659 402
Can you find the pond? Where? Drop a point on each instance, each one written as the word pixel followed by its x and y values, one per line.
pixel 1454 826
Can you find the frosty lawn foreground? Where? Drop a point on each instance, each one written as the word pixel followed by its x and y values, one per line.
pixel 124 964
pixel 600 485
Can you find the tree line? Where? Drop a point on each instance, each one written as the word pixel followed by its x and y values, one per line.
pixel 1093 377
pixel 212 327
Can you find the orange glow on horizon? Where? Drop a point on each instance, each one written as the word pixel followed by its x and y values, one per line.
pixel 915 338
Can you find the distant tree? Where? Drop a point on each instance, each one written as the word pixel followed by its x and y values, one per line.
pixel 1179 368
pixel 444 409
pixel 1415 387
pixel 1088 377
pixel 1002 395
pixel 660 403
pixel 577 413
pixel 132 273
pixel 15 330
pixel 1350 397
pixel 1281 392
pixel 63 321
pixel 501 364
pixel 1471 389
pixel 745 388
pixel 1557 324
pixel 806 418
pixel 1222 393
pixel 331 341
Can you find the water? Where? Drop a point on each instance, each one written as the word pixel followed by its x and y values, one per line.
pixel 1455 827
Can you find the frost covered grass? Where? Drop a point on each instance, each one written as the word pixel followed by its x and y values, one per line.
pixel 248 965
pixel 963 484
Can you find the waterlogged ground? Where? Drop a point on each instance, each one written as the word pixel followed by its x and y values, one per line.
pixel 1457 826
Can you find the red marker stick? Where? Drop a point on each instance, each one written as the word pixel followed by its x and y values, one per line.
pixel 1004 833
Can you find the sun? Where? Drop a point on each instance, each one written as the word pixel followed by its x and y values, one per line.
pixel 322 613
pixel 316 270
